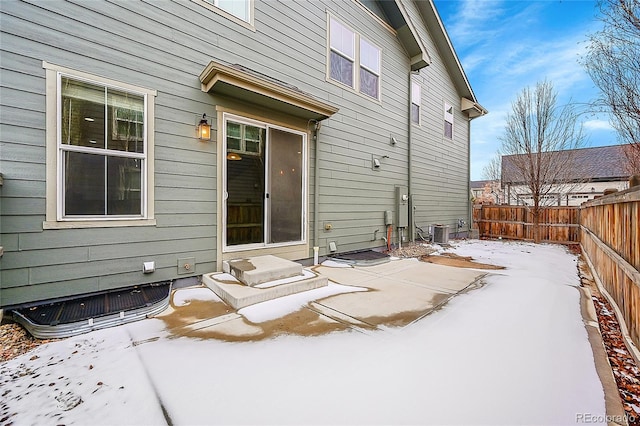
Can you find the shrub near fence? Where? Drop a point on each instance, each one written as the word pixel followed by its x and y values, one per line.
pixel 557 224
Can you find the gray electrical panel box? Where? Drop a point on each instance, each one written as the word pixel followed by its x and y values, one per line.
pixel 402 206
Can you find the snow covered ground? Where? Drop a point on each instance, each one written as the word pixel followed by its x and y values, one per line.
pixel 512 352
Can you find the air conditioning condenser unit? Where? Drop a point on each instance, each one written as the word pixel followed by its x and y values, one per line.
pixel 441 234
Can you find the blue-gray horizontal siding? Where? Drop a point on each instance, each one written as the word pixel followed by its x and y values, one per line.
pixel 40 264
pixel 164 45
pixel 441 165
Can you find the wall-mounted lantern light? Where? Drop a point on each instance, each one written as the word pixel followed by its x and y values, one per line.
pixel 204 129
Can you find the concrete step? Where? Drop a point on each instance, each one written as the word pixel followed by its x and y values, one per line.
pixel 238 295
pixel 261 269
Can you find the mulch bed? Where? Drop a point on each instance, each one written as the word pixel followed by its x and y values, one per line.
pixel 625 370
pixel 17 341
pixel 452 259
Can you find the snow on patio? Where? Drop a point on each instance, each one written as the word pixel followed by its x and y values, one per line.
pixel 513 352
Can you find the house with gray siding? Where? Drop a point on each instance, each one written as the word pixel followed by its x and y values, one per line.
pixel 151 141
pixel 587 173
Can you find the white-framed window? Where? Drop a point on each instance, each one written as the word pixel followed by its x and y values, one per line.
pixel 244 138
pixel 241 9
pixel 416 102
pixel 342 53
pixel 369 69
pixel 448 121
pixel 353 60
pixel 99 151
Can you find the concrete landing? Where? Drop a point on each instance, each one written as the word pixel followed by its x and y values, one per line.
pixel 261 269
pixel 402 290
pixel 238 295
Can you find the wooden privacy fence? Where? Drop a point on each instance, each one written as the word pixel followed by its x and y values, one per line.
pixel 608 230
pixel 610 241
pixel 557 224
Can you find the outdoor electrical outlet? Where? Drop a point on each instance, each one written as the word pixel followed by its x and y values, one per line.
pixel 187 265
pixel 332 247
pixel 148 267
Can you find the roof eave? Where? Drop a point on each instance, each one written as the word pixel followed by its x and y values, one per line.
pixel 449 56
pixel 473 109
pixel 230 79
pixel 410 39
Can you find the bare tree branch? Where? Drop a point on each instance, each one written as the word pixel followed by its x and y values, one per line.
pixel 613 62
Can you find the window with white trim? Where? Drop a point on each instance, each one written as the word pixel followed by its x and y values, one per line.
pixel 369 69
pixel 448 121
pixel 415 102
pixel 102 155
pixel 244 139
pixel 101 150
pixel 239 8
pixel 348 49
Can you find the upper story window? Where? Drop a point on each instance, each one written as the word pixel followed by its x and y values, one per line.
pixel 353 60
pixel 99 151
pixel 369 69
pixel 415 102
pixel 342 56
pixel 448 121
pixel 239 10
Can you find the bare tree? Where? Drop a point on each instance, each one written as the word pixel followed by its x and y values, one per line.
pixel 491 171
pixel 493 188
pixel 613 62
pixel 537 148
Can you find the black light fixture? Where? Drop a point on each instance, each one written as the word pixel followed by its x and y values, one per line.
pixel 204 129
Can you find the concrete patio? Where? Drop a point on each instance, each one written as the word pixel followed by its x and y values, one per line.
pixel 393 344
pixel 396 293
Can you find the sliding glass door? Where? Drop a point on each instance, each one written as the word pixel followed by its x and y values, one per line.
pixel 264 184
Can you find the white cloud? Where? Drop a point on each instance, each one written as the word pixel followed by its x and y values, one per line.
pixel 505 46
pixel 597 125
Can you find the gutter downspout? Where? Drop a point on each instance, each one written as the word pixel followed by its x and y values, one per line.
pixel 316 184
pixel 412 224
pixel 470 208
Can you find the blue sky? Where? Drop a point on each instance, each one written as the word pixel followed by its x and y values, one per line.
pixel 506 45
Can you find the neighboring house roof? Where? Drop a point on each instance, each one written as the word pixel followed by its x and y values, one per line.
pixel 479 184
pixel 604 163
